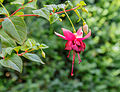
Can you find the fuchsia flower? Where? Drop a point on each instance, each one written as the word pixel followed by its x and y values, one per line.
pixel 74 42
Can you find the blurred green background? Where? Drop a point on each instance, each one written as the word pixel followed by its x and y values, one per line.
pixel 100 67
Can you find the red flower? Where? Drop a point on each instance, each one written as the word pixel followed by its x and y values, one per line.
pixel 74 42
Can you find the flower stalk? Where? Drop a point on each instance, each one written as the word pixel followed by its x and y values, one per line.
pixel 70 21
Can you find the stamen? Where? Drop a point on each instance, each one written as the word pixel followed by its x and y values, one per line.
pixel 69 54
pixel 73 63
pixel 79 58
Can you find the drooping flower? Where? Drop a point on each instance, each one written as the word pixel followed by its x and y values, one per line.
pixel 74 42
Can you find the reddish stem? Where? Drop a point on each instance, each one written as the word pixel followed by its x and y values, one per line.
pixel 38 15
pixel 22 53
pixel 27 15
pixel 19 9
pixel 66 10
pixel 50 13
pixel 30 1
pixel 16 11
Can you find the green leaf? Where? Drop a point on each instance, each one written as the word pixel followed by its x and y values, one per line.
pixel 43 46
pixel 55 7
pixel 6 40
pixel 1 1
pixel 32 4
pixel 9 50
pixel 17 2
pixel 4 53
pixel 54 17
pixel 82 3
pixel 16 28
pixel 51 7
pixel 43 12
pixel 13 62
pixel 68 3
pixel 2 11
pixel 33 57
pixel 17 48
pixel 61 6
pixel 29 44
pixel 20 13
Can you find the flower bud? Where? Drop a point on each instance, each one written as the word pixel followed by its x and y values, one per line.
pixel 60 19
pixel 43 54
pixel 85 28
pixel 63 15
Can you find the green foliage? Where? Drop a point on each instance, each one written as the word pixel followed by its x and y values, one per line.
pixel 14 40
pixel 16 28
pixel 99 70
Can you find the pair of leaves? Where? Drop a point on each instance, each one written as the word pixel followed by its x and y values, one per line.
pixel 15 62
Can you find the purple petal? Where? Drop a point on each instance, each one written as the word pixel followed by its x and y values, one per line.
pixel 60 35
pixel 68 34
